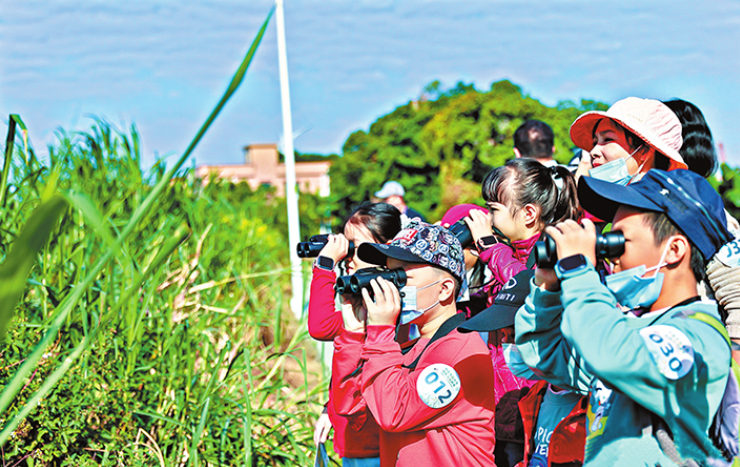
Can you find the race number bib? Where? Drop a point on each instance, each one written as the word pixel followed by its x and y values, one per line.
pixel 729 254
pixel 670 350
pixel 438 385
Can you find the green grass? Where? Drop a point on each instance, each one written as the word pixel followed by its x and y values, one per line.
pixel 181 351
pixel 145 311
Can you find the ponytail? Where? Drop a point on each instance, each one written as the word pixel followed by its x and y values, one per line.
pixel 527 181
pixel 567 205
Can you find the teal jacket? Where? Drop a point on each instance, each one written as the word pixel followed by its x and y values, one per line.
pixel 632 368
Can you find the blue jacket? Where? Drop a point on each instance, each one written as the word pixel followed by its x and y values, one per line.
pixel 633 368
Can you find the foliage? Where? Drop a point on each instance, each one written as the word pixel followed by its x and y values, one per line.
pixel 198 364
pixel 728 185
pixel 441 146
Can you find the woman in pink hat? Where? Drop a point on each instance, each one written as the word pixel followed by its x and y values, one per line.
pixel 632 137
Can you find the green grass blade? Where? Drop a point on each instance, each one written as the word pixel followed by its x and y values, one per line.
pixel 71 300
pixel 193 458
pixel 9 145
pixel 14 271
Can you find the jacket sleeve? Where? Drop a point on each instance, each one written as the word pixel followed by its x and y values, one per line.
pixel 324 321
pixel 619 356
pixel 345 377
pixel 541 343
pixel 502 262
pixel 390 390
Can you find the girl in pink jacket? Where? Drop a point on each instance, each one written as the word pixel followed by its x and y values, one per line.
pixel 523 197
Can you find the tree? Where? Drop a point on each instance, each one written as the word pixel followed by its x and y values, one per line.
pixel 441 146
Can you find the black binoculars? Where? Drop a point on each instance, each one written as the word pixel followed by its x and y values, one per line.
pixel 608 245
pixel 361 280
pixel 315 244
pixel 461 230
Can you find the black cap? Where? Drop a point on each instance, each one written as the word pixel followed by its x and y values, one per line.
pixel 501 314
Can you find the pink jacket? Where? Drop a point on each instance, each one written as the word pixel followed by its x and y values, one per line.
pixel 506 261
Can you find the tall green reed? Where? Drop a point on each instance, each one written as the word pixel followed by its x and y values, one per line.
pixel 156 306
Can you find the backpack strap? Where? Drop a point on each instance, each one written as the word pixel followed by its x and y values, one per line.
pixel 714 322
pixel 447 327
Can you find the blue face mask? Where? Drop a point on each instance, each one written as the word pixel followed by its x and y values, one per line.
pixel 634 291
pixel 615 171
pixel 408 303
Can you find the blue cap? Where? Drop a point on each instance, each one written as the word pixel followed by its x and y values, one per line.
pixel 686 198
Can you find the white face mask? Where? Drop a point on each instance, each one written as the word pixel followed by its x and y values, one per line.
pixel 408 303
pixel 616 171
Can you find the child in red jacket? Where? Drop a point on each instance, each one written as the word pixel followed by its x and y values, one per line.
pixel 355 437
pixel 432 400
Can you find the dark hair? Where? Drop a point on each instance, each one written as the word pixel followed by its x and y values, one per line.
pixel 663 228
pixel 698 147
pixel 534 138
pixel 526 181
pixel 382 220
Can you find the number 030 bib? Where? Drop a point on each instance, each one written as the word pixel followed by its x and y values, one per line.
pixel 438 385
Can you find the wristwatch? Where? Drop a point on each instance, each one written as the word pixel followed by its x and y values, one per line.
pixel 324 263
pixel 571 266
pixel 484 243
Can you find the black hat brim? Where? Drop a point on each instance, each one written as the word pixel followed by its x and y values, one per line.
pixel 493 318
pixel 375 253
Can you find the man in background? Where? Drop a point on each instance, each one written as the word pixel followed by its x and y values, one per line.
pixel 534 140
pixel 392 193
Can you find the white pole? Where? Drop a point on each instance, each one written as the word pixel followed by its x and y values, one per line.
pixel 291 194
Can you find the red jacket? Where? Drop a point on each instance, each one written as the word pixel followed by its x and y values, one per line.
pixel 368 372
pixel 324 321
pixel 568 440
pixel 358 435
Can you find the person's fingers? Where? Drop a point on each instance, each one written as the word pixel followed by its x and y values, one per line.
pixel 366 299
pixel 325 433
pixel 589 225
pixel 390 292
pixel 378 291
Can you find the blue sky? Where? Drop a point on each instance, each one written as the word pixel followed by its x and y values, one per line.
pixel 164 64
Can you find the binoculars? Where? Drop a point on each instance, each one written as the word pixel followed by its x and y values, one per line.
pixel 361 280
pixel 315 244
pixel 608 245
pixel 461 230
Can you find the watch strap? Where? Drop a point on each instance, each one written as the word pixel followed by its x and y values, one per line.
pixel 486 242
pixel 572 266
pixel 322 262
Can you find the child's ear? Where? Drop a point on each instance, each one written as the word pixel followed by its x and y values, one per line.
pixel 678 248
pixel 447 290
pixel 531 214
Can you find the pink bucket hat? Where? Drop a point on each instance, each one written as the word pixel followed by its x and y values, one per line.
pixel 650 120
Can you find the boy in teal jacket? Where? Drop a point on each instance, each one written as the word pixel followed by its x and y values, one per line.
pixel 651 366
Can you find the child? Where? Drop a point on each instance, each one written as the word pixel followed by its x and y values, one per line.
pixel 355 437
pixel 666 367
pixel 474 297
pixel 523 197
pixel 432 402
pixel 550 416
